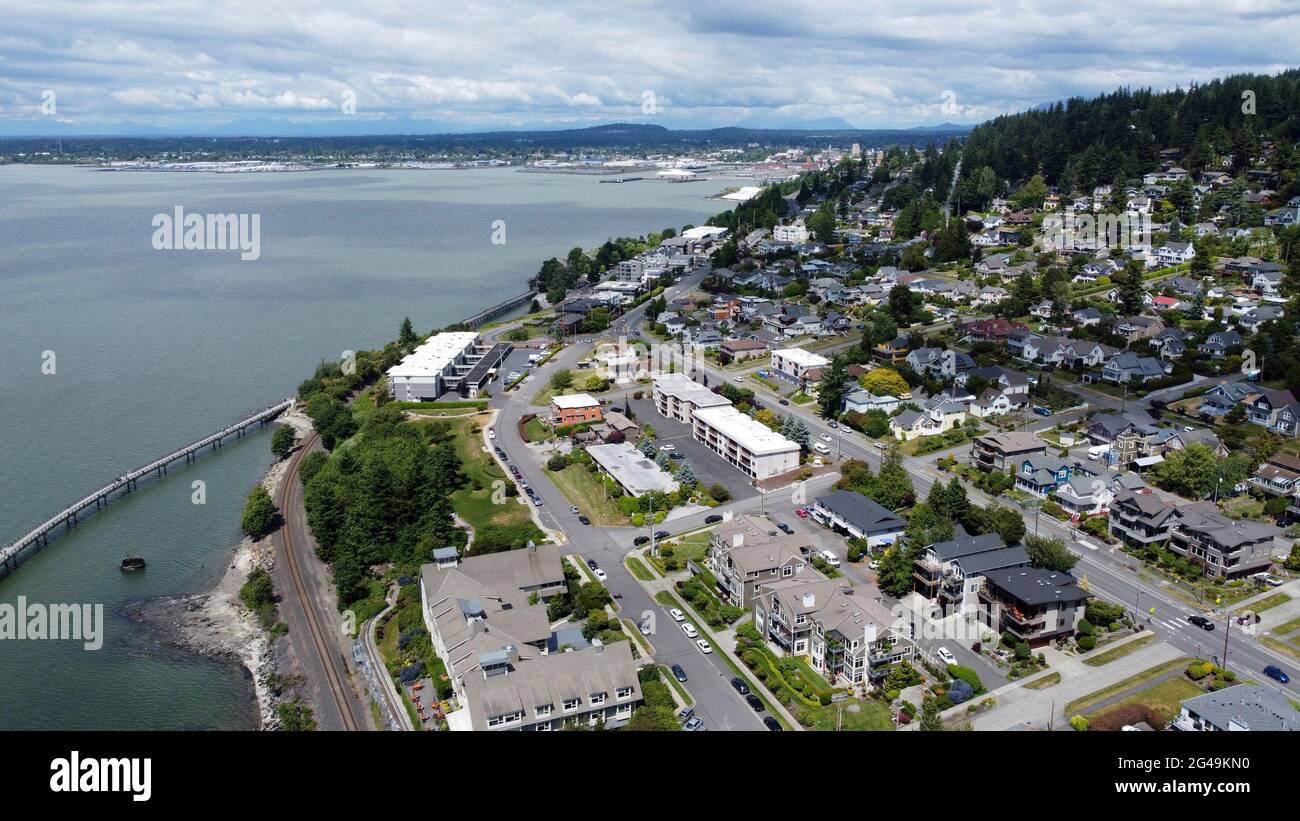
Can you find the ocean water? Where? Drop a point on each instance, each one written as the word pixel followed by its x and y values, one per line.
pixel 151 349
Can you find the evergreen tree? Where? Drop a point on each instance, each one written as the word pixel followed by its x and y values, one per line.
pixel 686 476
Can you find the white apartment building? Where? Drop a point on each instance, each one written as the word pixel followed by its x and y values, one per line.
pixel 751 446
pixel 677 396
pixel 795 233
pixel 439 365
pixel 794 363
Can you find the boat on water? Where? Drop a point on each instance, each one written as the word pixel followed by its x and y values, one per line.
pixel 131 563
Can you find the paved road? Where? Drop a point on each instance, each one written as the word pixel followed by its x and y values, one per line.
pixel 709 677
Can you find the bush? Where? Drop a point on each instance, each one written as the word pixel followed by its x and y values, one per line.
pixel 557 463
pixel 1079 723
pixel 967 675
pixel 1086 628
pixel 1023 652
pixel 960 691
pixel 1087 643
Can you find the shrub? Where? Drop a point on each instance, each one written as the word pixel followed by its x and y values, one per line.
pixel 967 675
pixel 960 691
pixel 1086 628
pixel 1087 643
pixel 1079 723
pixel 1023 653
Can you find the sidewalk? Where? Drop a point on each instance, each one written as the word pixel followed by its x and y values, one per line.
pixel 723 641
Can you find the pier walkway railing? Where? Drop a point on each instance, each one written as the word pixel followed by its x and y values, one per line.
pixel 38 536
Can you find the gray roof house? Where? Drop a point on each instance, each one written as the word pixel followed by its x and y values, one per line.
pixel 855 515
pixel 1247 707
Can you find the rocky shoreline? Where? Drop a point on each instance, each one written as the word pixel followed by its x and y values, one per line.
pixel 216 624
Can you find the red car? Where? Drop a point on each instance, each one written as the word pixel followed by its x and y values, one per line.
pixel 801 512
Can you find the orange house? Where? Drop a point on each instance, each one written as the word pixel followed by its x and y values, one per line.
pixel 574 409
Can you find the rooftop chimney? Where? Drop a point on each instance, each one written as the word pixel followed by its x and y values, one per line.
pixel 737 539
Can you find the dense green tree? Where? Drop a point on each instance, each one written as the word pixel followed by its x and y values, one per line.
pixel 259 513
pixel 282 441
pixel 1051 554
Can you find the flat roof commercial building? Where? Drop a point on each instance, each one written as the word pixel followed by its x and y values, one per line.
pixel 452 361
pixel 677 396
pixel 751 446
pixel 631 469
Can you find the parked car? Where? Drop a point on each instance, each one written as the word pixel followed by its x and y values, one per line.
pixel 821 448
pixel 492 433
pixel 801 512
pixel 1269 579
pixel 695 725
pixel 592 564
pixel 874 564
pixel 573 508
pixel 945 655
pixel 685 714
pixel 830 558
pixel 645 627
pixel 537 501
pixel 1201 622
pixel 679 673
pixel 713 519
pixel 689 630
pixel 661 534
pixel 740 686
pixel 677 614
pixel 1274 672
pixel 584 520
pixel 601 574
pixel 640 540
pixel 832 424
pixel 785 528
pixel 784 402
pixel 668 448
pixel 772 724
pixel 704 646
pixel 754 703
pixel 738 379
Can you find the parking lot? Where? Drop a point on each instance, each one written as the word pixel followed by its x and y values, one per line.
pixel 708 466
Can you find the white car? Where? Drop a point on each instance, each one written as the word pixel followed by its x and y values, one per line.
pixel 830 558
pixel 945 656
pixel 874 564
pixel 492 433
pixel 820 448
pixel 645 628
pixel 668 448
pixel 738 379
pixel 703 645
pixel 600 574
pixel 677 614
pixel 689 630
pixel 826 437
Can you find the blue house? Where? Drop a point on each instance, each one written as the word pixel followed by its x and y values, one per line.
pixel 1040 475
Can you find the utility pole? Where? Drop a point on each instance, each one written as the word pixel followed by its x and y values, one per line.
pixel 1227 629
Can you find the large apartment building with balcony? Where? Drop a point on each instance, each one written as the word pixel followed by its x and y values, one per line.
pixel 455 361
pixel 950 574
pixel 487 620
pixel 1033 604
pixel 1141 517
pixel 1225 548
pixel 678 397
pixel 747 551
pixel 848 637
pixel 1004 452
pixel 752 447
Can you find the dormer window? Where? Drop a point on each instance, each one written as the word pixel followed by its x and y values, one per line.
pixel 570 704
pixel 597 698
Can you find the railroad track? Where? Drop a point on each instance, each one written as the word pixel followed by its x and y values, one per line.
pixel 289 491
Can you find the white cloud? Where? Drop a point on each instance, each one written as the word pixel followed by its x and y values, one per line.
pixel 183 62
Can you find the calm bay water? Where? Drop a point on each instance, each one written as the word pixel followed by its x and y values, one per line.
pixel 156 348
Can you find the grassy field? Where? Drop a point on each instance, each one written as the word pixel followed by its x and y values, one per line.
pixel 1163 698
pixel 474 501
pixel 1286 628
pixel 1279 646
pixel 1049 680
pixel 1106 657
pixel 1080 705
pixel 584 490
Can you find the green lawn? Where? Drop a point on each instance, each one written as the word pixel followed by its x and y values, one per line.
pixel 872 715
pixel 1272 601
pixel 535 431
pixel 1049 680
pixel 1082 704
pixel 630 627
pixel 1163 698
pixel 1121 651
pixel 583 489
pixel 1287 627
pixel 667 675
pixel 693 547
pixel 474 501
pixel 638 569
pixel 1279 646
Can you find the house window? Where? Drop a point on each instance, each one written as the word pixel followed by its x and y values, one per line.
pixel 623 692
pixel 597 698
pixel 787 571
pixel 800 619
pixel 543 710
pixel 570 704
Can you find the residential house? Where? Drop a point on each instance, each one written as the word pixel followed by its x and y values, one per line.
pixel 1127 367
pixel 1141 517
pixel 860 401
pixel 853 514
pixel 1033 604
pixel 1225 548
pixel 950 574
pixel 1220 343
pixel 1005 452
pixel 1242 707
pixel 747 551
pixel 739 350
pixel 1040 475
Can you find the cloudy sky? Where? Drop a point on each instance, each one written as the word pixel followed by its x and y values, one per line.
pixel 98 66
